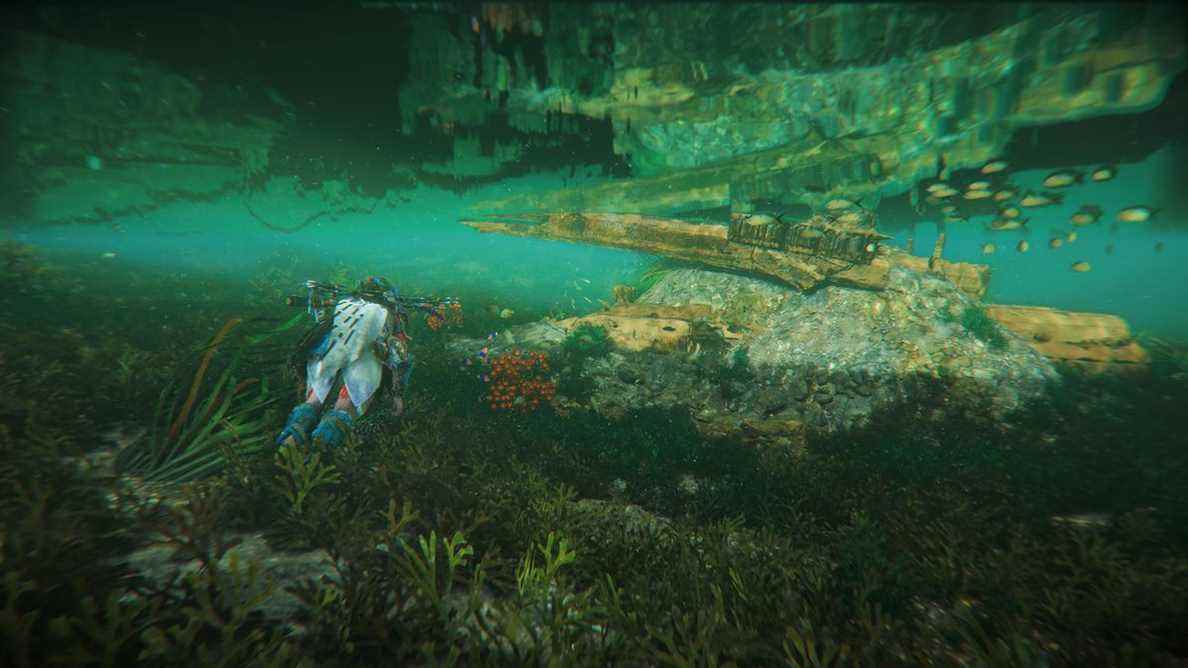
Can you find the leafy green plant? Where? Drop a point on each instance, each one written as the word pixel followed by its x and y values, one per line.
pixel 302 475
pixel 1010 650
pixel 654 273
pixel 805 648
pixel 584 342
pixel 978 323
pixel 187 444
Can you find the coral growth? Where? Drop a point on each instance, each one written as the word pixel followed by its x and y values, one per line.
pixel 519 381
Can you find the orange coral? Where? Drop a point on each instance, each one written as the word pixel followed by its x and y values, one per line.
pixel 519 382
pixel 443 315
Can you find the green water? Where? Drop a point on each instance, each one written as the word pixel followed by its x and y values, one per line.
pixel 1133 279
pixel 589 530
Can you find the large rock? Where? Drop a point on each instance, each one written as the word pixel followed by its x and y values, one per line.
pixel 827 360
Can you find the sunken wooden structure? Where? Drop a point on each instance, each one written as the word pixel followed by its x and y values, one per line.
pixel 804 254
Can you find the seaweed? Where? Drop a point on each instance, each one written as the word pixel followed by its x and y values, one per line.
pixel 978 323
pixel 907 542
pixel 584 343
pixel 181 450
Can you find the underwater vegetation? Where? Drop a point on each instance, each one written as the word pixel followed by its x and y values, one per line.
pixel 463 537
pixel 584 343
pixel 974 319
pixel 20 266
pixel 191 439
pixel 653 274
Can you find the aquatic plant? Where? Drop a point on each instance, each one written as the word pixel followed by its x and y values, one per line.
pixel 868 544
pixel 185 444
pixel 731 374
pixel 200 374
pixel 977 322
pixel 20 267
pixel 584 342
pixel 302 475
pixel 654 273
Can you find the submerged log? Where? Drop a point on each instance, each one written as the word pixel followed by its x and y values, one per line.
pixel 1093 341
pixel 710 245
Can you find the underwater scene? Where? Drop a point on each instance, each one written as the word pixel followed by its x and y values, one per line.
pixel 384 333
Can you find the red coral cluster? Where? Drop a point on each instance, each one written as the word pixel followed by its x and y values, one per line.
pixel 443 315
pixel 519 381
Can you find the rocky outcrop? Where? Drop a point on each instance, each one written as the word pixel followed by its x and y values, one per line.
pixel 754 360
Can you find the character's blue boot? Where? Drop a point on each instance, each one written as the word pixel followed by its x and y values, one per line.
pixel 332 430
pixel 300 421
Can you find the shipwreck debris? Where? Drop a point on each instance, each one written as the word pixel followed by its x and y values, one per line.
pixel 805 254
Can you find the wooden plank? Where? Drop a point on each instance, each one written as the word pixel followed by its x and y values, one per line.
pixel 1093 338
pixel 708 245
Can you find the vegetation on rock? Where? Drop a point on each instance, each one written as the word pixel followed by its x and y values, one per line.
pixel 462 536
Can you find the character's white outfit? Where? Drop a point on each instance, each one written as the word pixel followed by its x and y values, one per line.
pixel 351 347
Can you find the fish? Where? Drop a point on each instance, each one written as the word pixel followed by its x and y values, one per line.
pixel 1109 249
pixel 506 313
pixel 1032 199
pixel 1104 173
pixel 1004 224
pixel 979 185
pixel 988 249
pixel 1136 214
pixel 949 208
pixel 994 167
pixel 1055 242
pixel 109 255
pixel 1158 246
pixel 1010 212
pixel 932 200
pixel 840 204
pixel 939 185
pixel 1063 178
pixel 1022 246
pixel 1081 266
pixel 1004 195
pixel 945 192
pixel 1088 214
pixel 977 194
pixel 1072 237
pixel 850 218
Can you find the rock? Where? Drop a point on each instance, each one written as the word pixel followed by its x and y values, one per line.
pixel 816 360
